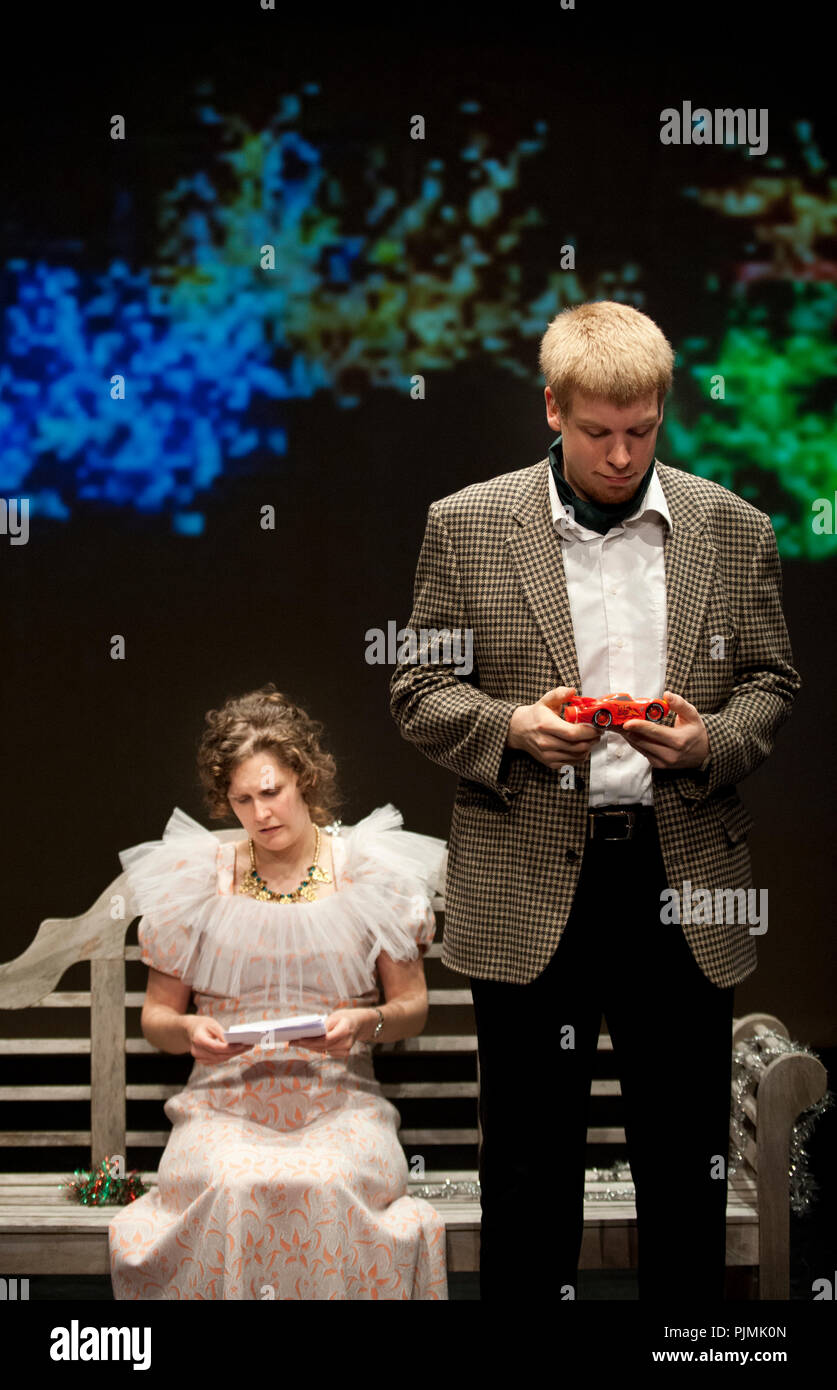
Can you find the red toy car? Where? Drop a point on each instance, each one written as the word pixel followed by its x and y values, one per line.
pixel 611 710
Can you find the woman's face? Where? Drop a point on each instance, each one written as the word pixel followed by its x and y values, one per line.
pixel 263 794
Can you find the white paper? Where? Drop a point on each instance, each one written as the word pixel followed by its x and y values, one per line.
pixel 285 1029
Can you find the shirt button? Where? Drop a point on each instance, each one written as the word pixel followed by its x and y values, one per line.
pixel 571 856
pixel 619 642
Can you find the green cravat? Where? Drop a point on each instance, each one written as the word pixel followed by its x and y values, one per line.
pixel 597 516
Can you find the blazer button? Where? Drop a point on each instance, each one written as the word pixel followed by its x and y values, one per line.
pixel 571 856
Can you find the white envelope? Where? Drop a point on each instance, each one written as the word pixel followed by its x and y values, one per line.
pixel 285 1029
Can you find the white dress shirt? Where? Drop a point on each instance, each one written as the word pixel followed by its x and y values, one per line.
pixel 616 586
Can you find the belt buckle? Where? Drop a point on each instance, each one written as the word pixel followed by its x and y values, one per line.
pixel 627 819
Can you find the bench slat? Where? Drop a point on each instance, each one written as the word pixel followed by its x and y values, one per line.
pixel 152 1139
pixel 48 1180
pixel 18 1047
pixel 44 1092
pixel 406 1090
pixel 134 999
pixel 39 1196
pixel 43 1139
pixel 57 1213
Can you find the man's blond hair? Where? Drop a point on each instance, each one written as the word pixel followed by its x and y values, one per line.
pixel 607 350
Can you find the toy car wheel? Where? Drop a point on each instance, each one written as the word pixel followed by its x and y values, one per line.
pixel 602 718
pixel 655 713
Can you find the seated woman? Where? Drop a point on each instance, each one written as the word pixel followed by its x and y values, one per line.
pixel 283 1176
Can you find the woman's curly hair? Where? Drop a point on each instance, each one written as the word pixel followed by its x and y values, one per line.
pixel 264 720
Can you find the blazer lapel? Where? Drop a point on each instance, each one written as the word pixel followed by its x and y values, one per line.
pixel 689 559
pixel 535 551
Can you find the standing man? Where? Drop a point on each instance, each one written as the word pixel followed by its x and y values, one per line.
pixel 597 570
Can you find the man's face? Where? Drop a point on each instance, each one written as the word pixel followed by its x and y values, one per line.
pixel 607 448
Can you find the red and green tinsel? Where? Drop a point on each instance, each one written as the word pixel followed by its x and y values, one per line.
pixel 100 1187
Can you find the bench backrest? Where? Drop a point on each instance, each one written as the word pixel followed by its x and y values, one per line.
pixel 432 1079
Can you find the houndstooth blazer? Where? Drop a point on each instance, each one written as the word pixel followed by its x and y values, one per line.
pixel 491 563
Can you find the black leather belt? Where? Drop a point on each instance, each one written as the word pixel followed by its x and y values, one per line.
pixel 619 822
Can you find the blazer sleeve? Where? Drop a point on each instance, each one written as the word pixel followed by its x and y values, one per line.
pixel 742 734
pixel 446 715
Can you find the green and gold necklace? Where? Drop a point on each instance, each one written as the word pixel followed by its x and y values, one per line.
pixel 255 887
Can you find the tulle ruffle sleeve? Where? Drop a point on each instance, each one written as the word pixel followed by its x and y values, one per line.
pixel 286 954
pixel 400 872
pixel 170 882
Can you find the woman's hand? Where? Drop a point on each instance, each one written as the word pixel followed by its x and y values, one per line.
pixel 344 1028
pixel 208 1044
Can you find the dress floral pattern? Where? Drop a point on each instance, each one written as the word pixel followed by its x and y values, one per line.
pixel 283 1176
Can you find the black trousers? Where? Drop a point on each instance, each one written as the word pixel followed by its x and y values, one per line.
pixel 671 1029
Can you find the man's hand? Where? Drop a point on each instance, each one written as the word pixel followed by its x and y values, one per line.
pixel 684 745
pixel 538 730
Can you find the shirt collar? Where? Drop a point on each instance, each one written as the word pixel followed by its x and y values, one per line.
pixel 654 501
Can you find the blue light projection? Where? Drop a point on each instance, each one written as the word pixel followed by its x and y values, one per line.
pixel 210 333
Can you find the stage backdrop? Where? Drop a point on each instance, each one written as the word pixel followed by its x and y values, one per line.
pixel 309 273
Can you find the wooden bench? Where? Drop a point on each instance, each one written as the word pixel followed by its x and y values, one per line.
pixel 432 1079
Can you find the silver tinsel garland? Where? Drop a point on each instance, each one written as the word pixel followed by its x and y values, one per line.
pixel 749 1059
pixel 620 1172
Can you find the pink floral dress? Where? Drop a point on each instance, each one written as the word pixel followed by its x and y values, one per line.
pixel 283 1176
